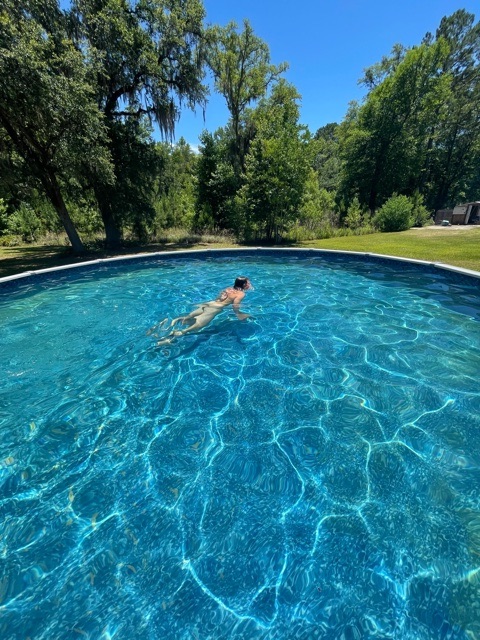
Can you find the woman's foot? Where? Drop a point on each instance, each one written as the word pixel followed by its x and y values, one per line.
pixel 156 327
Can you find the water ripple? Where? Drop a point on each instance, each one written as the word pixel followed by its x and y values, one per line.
pixel 311 473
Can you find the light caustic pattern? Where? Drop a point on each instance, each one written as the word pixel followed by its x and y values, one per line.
pixel 312 472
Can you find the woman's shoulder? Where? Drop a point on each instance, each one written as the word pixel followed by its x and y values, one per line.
pixel 231 293
pixel 225 293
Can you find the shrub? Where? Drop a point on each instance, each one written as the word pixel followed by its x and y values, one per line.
pixel 354 217
pixel 3 217
pixel 300 234
pixel 420 214
pixel 8 240
pixel 318 206
pixel 24 223
pixel 86 218
pixel 395 215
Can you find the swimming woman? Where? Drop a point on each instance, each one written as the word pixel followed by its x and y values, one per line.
pixel 206 312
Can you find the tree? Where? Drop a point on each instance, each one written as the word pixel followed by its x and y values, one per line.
pixel 327 161
pixel 383 141
pixel 354 217
pixel 150 56
pixel 136 165
pixel 317 211
pixel 47 105
pixel 217 182
pixel 278 164
pixel 419 129
pixel 454 138
pixel 240 62
pixel 175 185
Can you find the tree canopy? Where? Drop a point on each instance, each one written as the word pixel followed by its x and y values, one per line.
pixel 87 86
pixel 47 103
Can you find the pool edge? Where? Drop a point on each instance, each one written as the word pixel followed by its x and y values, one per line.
pixel 138 256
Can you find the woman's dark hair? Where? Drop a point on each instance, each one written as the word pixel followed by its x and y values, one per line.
pixel 240 283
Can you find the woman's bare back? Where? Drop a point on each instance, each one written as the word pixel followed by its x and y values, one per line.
pixel 205 312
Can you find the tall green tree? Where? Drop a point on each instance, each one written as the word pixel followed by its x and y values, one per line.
pixel 47 103
pixel 217 182
pixel 278 164
pixel 383 142
pixel 317 211
pixel 240 62
pixel 327 163
pixel 454 138
pixel 150 56
pixel 174 198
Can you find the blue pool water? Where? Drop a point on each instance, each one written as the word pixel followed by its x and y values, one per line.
pixel 313 472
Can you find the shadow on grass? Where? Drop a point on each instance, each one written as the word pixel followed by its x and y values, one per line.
pixel 21 259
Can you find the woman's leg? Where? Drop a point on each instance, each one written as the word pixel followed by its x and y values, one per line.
pixel 185 319
pixel 201 318
pixel 156 327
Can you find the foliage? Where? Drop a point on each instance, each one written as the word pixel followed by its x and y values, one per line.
pixel 383 142
pixel 3 216
pixel 217 183
pixel 84 83
pixel 327 162
pixel 47 105
pixel 174 197
pixel 317 209
pixel 87 219
pixel 240 62
pixel 301 234
pixel 395 215
pixel 9 240
pixel 453 141
pixel 419 129
pixel 355 213
pixel 278 165
pixel 420 214
pixel 24 223
pixel 150 56
pixel 130 203
pixel 182 236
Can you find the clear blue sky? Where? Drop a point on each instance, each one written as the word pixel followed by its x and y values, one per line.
pixel 327 44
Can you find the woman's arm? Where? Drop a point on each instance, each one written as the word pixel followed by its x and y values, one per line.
pixel 236 306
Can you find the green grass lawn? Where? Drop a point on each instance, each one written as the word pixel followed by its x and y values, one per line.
pixel 459 246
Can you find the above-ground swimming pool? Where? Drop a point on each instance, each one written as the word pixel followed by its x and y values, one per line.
pixel 312 472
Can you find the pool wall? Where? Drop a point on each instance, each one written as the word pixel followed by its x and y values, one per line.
pixel 9 281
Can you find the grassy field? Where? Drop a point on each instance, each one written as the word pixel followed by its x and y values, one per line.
pixel 456 245
pixel 459 246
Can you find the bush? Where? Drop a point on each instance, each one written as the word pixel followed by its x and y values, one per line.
pixel 420 214
pixel 300 234
pixel 10 241
pixel 354 217
pixel 318 206
pixel 86 218
pixel 395 215
pixel 178 235
pixel 24 223
pixel 3 217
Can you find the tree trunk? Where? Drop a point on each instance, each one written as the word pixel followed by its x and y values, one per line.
pixel 113 234
pixel 55 196
pixel 38 162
